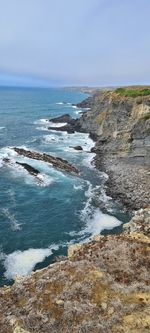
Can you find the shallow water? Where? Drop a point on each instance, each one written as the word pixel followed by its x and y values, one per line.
pixel 39 219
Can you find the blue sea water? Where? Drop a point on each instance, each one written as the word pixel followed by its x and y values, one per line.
pixel 38 220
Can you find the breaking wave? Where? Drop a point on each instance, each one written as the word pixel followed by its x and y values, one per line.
pixel 23 262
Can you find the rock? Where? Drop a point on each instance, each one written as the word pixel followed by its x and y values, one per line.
pixel 104 306
pixel 66 128
pixel 29 168
pixel 65 118
pixel 77 148
pixel 56 162
pixel 73 249
pixel 60 302
pixel 110 311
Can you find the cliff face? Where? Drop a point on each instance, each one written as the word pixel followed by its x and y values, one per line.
pixel 122 126
pixel 121 122
pixel 102 287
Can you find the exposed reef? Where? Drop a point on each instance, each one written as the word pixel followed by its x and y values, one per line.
pixel 56 162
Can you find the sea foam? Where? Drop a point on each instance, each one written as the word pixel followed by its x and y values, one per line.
pixel 15 225
pixel 23 262
pixel 99 221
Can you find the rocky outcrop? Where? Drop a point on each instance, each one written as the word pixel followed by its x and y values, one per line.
pixel 72 126
pixel 102 287
pixel 56 162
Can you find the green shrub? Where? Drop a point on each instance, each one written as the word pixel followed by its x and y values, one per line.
pixel 147 116
pixel 133 92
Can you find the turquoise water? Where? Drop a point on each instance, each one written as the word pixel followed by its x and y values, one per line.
pixel 38 220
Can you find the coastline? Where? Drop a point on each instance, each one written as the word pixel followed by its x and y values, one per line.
pixel 103 285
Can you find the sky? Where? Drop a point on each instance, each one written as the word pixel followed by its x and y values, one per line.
pixel 74 42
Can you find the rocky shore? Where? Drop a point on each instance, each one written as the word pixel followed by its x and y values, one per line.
pixel 103 286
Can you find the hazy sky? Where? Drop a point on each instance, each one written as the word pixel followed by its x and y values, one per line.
pixel 74 42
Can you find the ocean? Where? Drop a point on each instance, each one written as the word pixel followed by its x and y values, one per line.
pixel 39 220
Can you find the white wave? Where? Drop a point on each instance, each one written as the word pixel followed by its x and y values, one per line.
pixel 99 221
pixel 68 141
pixel 78 187
pixel 7 152
pixel 88 161
pixel 42 128
pixel 60 103
pixel 78 112
pixel 52 124
pixel 41 121
pixel 74 107
pixel 57 131
pixel 2 127
pixel 45 180
pixel 23 262
pixel 12 219
pixel 52 138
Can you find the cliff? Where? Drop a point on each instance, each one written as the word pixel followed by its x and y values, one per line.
pixel 120 122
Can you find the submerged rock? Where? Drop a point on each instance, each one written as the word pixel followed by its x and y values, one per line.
pixel 56 162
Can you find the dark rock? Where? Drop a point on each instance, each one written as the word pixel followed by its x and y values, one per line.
pixel 29 168
pixel 65 118
pixel 66 128
pixel 72 126
pixel 77 148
